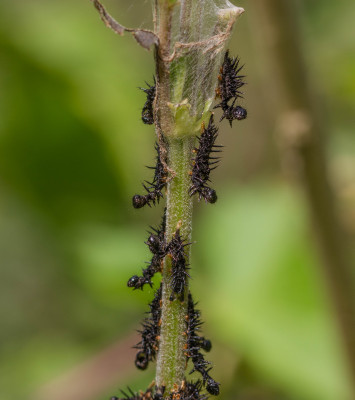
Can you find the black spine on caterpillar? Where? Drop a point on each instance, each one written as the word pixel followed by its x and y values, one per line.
pixel 147 395
pixel 230 83
pixel 189 391
pixel 128 396
pixel 195 343
pixel 154 189
pixel 148 346
pixel 204 163
pixel 179 266
pixel 156 244
pixel 147 111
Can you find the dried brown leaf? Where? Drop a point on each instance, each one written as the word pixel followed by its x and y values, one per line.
pixel 144 37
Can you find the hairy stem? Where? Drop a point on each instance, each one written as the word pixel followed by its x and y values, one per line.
pixel 164 16
pixel 171 360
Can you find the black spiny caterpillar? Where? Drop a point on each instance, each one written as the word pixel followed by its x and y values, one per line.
pixel 147 111
pixel 194 345
pixel 156 244
pixel 228 89
pixel 179 267
pixel 154 189
pixel 203 161
pixel 148 346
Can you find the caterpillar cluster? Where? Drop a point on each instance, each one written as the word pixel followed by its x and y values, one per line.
pixel 154 188
pixel 156 244
pixel 228 91
pixel 179 267
pixel 194 345
pixel 150 332
pixel 147 111
pixel 159 249
pixel 149 344
pixel 229 85
pixel 204 163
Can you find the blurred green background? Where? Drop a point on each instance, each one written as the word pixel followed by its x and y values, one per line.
pixel 72 153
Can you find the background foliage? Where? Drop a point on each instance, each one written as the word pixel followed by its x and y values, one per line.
pixel 72 153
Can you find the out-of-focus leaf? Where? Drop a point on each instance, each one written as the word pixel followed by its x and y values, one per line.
pixel 107 258
pixel 268 299
pixel 103 90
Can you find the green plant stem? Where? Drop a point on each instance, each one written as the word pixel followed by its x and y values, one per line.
pixel 164 15
pixel 171 362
